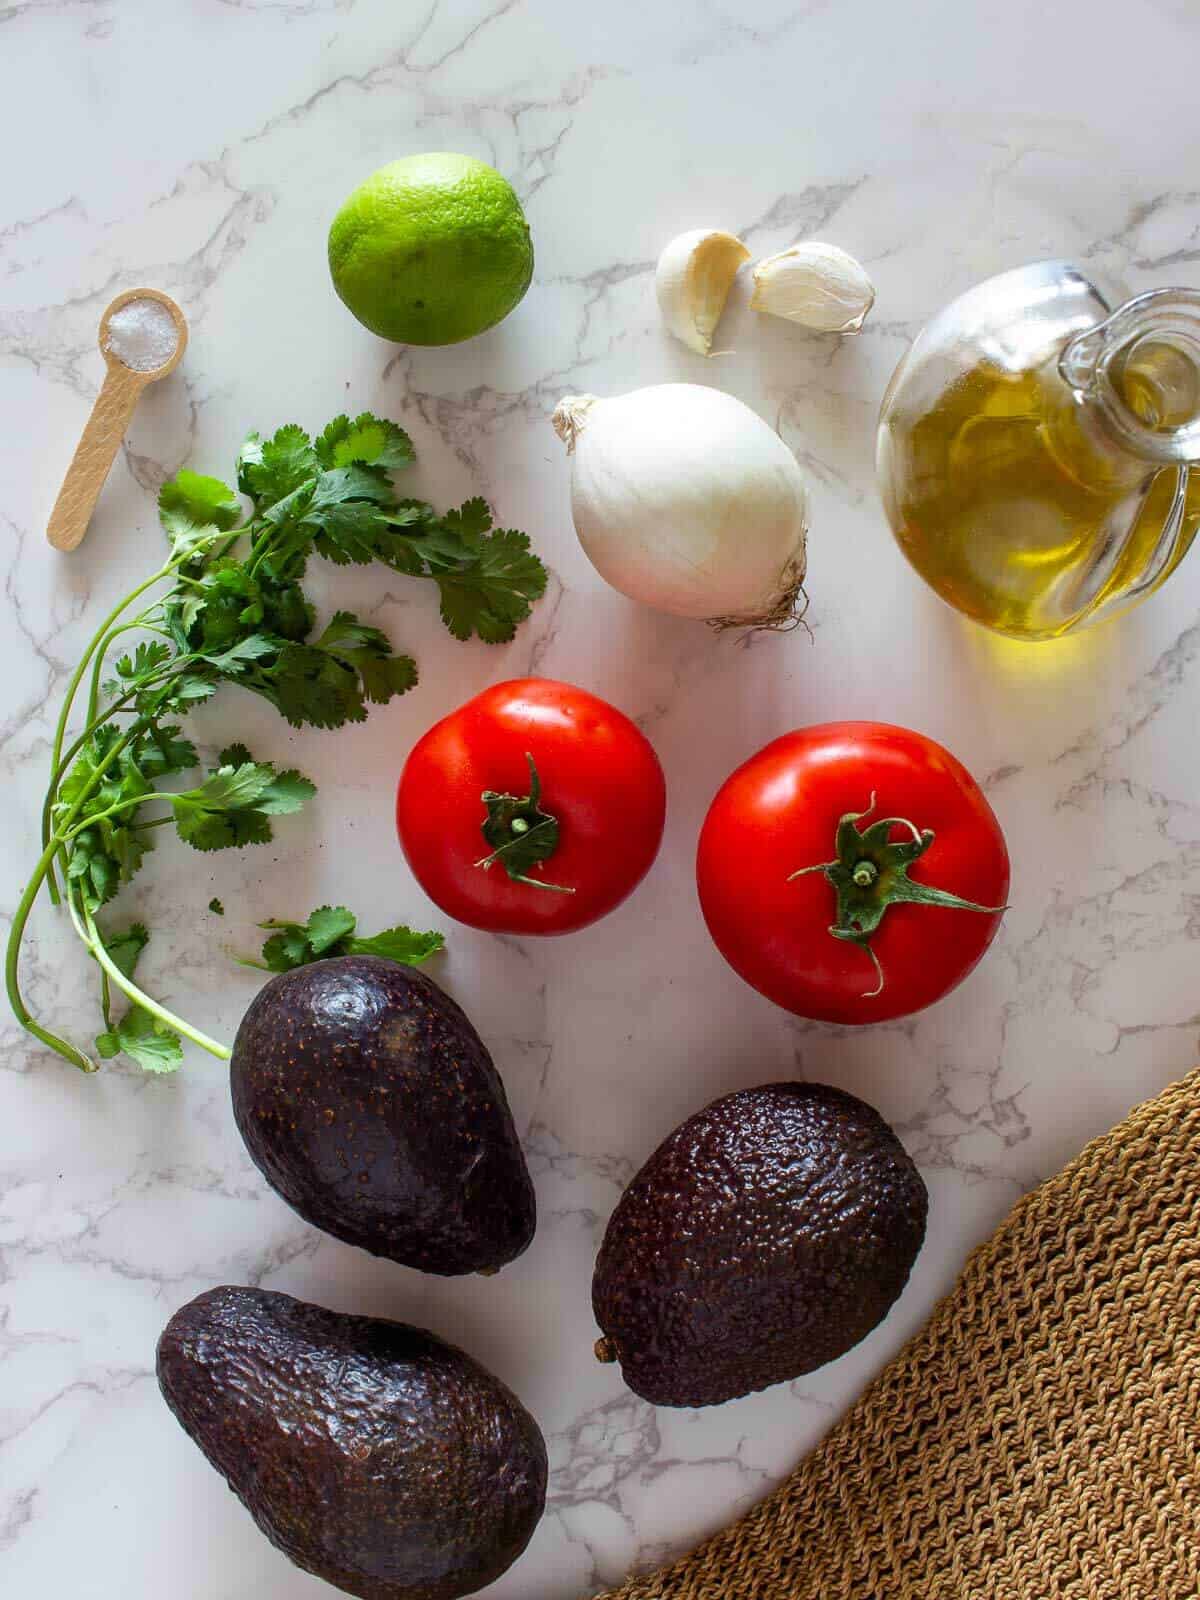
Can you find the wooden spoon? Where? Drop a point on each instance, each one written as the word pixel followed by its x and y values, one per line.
pixel 108 422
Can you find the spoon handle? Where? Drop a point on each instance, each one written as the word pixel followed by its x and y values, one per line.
pixel 94 456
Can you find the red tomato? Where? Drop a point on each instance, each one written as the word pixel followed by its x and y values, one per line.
pixel 586 840
pixel 780 813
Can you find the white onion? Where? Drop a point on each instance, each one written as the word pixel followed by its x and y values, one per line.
pixel 684 499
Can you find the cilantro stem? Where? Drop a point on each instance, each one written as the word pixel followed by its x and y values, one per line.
pixel 76 678
pixel 65 760
pixel 98 638
pixel 138 625
pixel 11 979
pixel 260 545
pixel 115 809
pixel 16 934
pixel 91 936
pixel 106 1001
pixel 171 669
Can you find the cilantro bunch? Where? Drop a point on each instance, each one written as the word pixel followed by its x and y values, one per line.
pixel 231 609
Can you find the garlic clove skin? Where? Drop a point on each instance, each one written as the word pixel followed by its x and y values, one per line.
pixel 692 281
pixel 816 285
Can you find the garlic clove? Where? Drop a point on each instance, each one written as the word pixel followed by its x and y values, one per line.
pixel 694 276
pixel 817 285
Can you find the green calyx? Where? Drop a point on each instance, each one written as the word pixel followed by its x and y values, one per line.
pixel 520 833
pixel 871 874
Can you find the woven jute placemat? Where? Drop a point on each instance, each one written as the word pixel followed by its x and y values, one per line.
pixel 1040 1440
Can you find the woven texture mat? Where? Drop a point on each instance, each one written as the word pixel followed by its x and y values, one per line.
pixel 1040 1440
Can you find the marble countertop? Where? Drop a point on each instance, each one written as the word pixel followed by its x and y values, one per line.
pixel 203 147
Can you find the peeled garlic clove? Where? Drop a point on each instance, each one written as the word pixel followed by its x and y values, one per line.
pixel 817 285
pixel 693 279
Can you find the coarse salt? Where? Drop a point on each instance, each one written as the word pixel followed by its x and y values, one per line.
pixel 142 335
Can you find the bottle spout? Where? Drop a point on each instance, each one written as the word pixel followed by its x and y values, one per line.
pixel 1141 369
pixel 1158 375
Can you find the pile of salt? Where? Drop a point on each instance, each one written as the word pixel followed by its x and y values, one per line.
pixel 142 335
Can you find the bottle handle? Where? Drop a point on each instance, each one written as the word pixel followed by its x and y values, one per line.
pixel 1172 523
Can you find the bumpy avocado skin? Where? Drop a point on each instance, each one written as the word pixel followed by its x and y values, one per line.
pixel 764 1237
pixel 369 1102
pixel 372 1454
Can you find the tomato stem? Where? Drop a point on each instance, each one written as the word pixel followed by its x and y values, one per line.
pixel 521 834
pixel 870 874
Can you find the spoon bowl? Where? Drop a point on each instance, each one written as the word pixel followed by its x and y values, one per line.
pixel 130 297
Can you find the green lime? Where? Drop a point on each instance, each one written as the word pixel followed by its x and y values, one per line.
pixel 431 250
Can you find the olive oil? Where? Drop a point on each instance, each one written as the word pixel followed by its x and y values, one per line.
pixel 1009 497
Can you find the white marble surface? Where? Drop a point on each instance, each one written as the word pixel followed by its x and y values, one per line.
pixel 202 147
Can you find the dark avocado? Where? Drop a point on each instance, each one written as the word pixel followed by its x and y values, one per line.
pixel 764 1237
pixel 373 1455
pixel 370 1103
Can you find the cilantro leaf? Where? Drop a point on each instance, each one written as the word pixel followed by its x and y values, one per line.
pixel 344 635
pixel 144 663
pixel 493 591
pixel 185 690
pixel 330 680
pixel 470 522
pixel 399 944
pixel 284 950
pixel 309 687
pixel 330 931
pixel 125 948
pixel 214 609
pixel 215 906
pixel 368 652
pixel 286 794
pixel 383 677
pixel 223 830
pixel 229 788
pixel 234 804
pixel 347 515
pixel 192 508
pixel 93 872
pixel 154 1046
pixel 288 511
pixel 286 613
pixel 371 440
pixel 104 797
pixel 326 926
pixel 236 657
pixel 353 482
pixel 269 470
pixel 488 580
pixel 161 749
pixel 351 532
